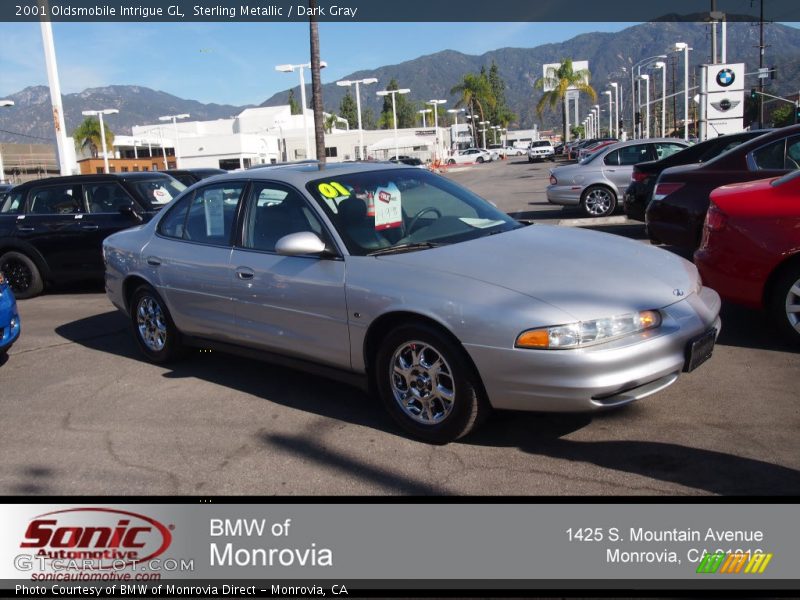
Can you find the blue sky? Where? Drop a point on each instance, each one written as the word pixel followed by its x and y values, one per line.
pixel 233 63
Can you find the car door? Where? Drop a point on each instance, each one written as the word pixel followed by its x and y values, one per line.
pixel 102 202
pixel 293 305
pixel 53 225
pixel 189 259
pixel 618 164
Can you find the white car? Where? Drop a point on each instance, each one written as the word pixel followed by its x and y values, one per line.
pixel 541 150
pixel 514 151
pixel 470 155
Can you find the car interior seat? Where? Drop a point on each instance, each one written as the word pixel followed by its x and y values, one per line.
pixel 359 226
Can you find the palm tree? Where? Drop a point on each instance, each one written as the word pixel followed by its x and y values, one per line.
pixel 87 134
pixel 316 82
pixel 558 81
pixel 476 96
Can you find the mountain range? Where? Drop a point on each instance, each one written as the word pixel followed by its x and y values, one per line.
pixel 433 75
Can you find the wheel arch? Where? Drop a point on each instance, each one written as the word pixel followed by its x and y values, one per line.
pixel 381 326
pixel 11 244
pixel 129 286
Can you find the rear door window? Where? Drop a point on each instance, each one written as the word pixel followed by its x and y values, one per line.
pixel 212 213
pixel 665 149
pixel 55 200
pixel 612 158
pixel 12 204
pixel 631 155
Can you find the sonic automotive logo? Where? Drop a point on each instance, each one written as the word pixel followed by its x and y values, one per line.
pixel 725 77
pixel 110 538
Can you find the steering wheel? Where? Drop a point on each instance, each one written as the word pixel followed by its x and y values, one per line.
pixel 415 218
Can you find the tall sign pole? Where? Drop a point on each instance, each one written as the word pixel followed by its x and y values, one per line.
pixel 55 96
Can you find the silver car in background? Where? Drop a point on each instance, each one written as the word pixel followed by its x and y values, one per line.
pixel 598 182
pixel 427 294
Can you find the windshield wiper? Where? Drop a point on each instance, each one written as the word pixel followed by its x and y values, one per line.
pixel 410 247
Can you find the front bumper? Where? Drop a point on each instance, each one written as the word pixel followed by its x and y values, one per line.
pixel 565 195
pixel 9 320
pixel 597 377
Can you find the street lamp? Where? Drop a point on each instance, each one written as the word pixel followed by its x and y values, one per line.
pixel 663 66
pixel 174 119
pixel 100 113
pixel 646 78
pixel 610 114
pixel 483 124
pixel 638 68
pixel 3 103
pixel 684 47
pixel 290 69
pixel 495 129
pixel 423 112
pixel 596 109
pixel 615 85
pixel 435 105
pixel 348 83
pixel 454 112
pixel 394 93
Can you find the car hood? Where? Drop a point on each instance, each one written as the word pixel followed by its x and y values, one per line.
pixel 586 274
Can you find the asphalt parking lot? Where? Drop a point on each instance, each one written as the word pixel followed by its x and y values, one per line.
pixel 84 414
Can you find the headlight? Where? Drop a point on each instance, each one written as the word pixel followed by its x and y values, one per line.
pixel 2 278
pixel 586 333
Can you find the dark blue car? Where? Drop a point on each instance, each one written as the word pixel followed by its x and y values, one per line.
pixel 9 317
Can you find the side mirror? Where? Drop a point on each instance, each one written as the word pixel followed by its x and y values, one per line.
pixel 298 244
pixel 129 210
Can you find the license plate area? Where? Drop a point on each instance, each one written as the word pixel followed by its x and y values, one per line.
pixel 699 350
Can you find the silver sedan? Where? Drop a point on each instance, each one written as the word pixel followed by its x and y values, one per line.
pixel 596 183
pixel 413 286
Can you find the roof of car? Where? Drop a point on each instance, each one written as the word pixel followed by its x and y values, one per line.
pixel 95 177
pixel 301 173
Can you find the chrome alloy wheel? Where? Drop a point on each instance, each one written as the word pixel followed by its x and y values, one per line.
pixel 151 324
pixel 793 305
pixel 598 202
pixel 422 382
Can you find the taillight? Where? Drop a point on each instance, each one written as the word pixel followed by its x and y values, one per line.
pixel 553 180
pixel 665 189
pixel 716 220
pixel 638 176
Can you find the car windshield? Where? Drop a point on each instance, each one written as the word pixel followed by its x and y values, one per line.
pixel 539 144
pixel 398 210
pixel 158 191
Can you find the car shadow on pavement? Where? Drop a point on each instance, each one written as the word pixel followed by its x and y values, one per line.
pixel 708 470
pixel 748 328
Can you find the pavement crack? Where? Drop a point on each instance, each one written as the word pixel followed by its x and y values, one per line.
pixel 173 479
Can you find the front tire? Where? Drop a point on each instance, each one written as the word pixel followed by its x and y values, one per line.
pixel 451 162
pixel 428 385
pixel 479 160
pixel 785 304
pixel 153 328
pixel 22 274
pixel 598 201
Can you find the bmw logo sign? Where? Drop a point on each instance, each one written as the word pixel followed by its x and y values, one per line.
pixel 725 77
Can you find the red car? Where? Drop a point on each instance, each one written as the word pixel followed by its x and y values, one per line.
pixel 750 251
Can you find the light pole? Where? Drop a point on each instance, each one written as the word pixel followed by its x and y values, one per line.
pixel 495 129
pixel 348 83
pixel 638 67
pixel 290 69
pixel 393 93
pixel 596 108
pixel 646 78
pixel 663 66
pixel 3 103
pixel 174 119
pixel 615 85
pixel 423 112
pixel 610 114
pixel 483 124
pixel 100 113
pixel 435 105
pixel 454 112
pixel 684 47
pixel 473 124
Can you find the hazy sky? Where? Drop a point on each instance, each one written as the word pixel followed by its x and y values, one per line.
pixel 233 63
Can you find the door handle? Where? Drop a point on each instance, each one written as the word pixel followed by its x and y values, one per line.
pixel 244 273
pixel 25 229
pixel 90 227
pixel 153 261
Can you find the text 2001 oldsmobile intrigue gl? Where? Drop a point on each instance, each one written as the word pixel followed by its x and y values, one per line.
pixel 445 304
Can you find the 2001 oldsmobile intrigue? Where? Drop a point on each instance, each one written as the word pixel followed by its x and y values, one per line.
pixel 401 277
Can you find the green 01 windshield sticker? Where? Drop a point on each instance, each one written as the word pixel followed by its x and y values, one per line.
pixel 333 189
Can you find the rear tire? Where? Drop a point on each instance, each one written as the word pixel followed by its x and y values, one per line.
pixel 451 162
pixel 479 160
pixel 784 306
pixel 22 274
pixel 155 332
pixel 598 201
pixel 428 385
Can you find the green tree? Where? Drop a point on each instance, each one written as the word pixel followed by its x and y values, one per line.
pixel 406 113
pixel 783 115
pixel 87 135
pixel 348 110
pixel 475 94
pixel 500 113
pixel 330 122
pixel 558 81
pixel 368 119
pixel 294 105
